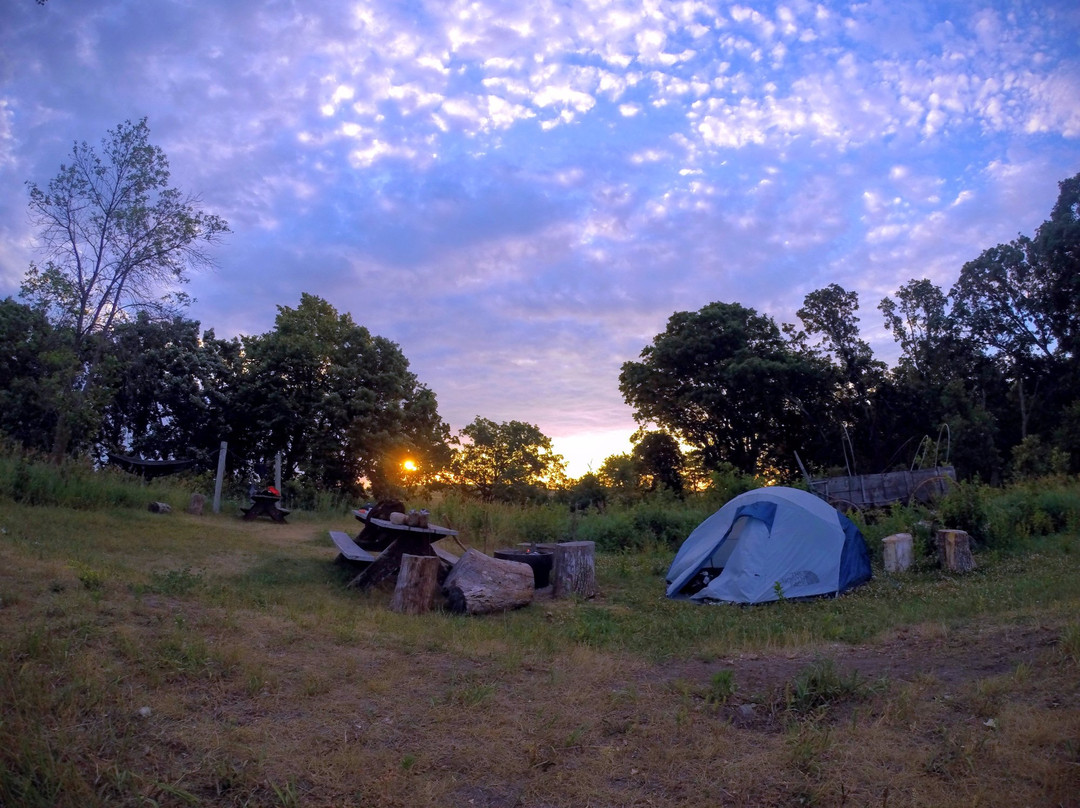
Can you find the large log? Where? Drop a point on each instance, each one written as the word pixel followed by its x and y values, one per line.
pixel 417 585
pixel 954 550
pixel 480 584
pixel 573 570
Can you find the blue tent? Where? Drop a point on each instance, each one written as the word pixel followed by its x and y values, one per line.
pixel 766 543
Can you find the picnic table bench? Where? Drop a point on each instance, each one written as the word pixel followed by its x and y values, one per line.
pixel 265 505
pixel 349 549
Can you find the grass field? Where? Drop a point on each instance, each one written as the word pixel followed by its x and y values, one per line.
pixel 169 659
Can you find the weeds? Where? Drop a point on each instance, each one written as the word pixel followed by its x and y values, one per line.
pixel 1069 643
pixel 820 685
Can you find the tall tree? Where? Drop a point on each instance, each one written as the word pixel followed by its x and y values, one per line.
pixel 116 238
pixel 115 235
pixel 1058 240
pixel 1001 303
pixel 511 461
pixel 170 389
pixel 339 403
pixel 941 379
pixel 831 315
pixel 724 380
pixel 659 461
pixel 35 361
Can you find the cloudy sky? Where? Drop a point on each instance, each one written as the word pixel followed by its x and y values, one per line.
pixel 521 194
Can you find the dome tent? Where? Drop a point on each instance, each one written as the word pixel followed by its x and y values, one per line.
pixel 768 543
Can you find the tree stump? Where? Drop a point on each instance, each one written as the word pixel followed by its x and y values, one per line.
pixel 573 570
pixel 479 584
pixel 954 550
pixel 195 506
pixel 417 585
pixel 896 552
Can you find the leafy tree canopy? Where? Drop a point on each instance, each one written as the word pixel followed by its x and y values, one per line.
pixel 115 235
pixel 511 461
pixel 339 403
pixel 724 381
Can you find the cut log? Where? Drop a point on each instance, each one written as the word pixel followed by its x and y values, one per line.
pixel 896 552
pixel 954 550
pixel 159 507
pixel 480 584
pixel 573 570
pixel 195 506
pixel 417 585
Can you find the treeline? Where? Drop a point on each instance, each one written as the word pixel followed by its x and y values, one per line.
pixel 987 370
pixel 95 358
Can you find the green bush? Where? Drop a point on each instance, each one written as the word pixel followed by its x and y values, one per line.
pixel 964 508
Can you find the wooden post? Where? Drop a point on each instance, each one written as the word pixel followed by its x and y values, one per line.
pixel 954 550
pixel 277 471
pixel 220 476
pixel 479 584
pixel 573 571
pixel 417 585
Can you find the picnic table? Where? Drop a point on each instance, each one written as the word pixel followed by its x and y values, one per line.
pixel 265 505
pixel 396 540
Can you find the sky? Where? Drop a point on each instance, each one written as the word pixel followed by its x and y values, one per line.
pixel 521 194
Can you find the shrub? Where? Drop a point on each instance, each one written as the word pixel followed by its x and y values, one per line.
pixel 964 508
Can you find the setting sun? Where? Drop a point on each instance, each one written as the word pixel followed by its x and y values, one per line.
pixel 409 465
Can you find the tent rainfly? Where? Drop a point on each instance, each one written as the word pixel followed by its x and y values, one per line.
pixel 770 543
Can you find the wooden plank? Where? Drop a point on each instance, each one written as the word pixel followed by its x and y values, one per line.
pixel 348 547
pixel 388 525
pixel 445 555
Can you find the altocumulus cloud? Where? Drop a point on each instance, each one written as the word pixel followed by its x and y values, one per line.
pixel 521 194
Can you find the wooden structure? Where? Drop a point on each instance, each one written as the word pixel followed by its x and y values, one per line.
pixel 265 505
pixel 573 569
pixel 398 540
pixel 350 550
pixel 880 490
pixel 480 584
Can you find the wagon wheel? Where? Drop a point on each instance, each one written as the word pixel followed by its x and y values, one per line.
pixel 931 484
pixel 845 506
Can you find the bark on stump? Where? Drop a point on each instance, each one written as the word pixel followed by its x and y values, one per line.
pixel 954 550
pixel 479 584
pixel 195 506
pixel 896 552
pixel 573 571
pixel 417 585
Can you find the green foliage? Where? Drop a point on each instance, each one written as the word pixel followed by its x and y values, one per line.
pixel 507 462
pixel 727 482
pixel 33 480
pixel 819 685
pixel 659 461
pixel 116 233
pixel 721 687
pixel 965 508
pixel 1069 643
pixel 339 403
pixel 724 381
pixel 174 582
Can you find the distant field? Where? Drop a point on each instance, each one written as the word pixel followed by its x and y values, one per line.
pixel 168 659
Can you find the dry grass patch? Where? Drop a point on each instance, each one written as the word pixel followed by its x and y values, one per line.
pixel 236 669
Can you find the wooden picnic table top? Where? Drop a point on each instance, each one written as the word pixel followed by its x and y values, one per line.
pixel 385 524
